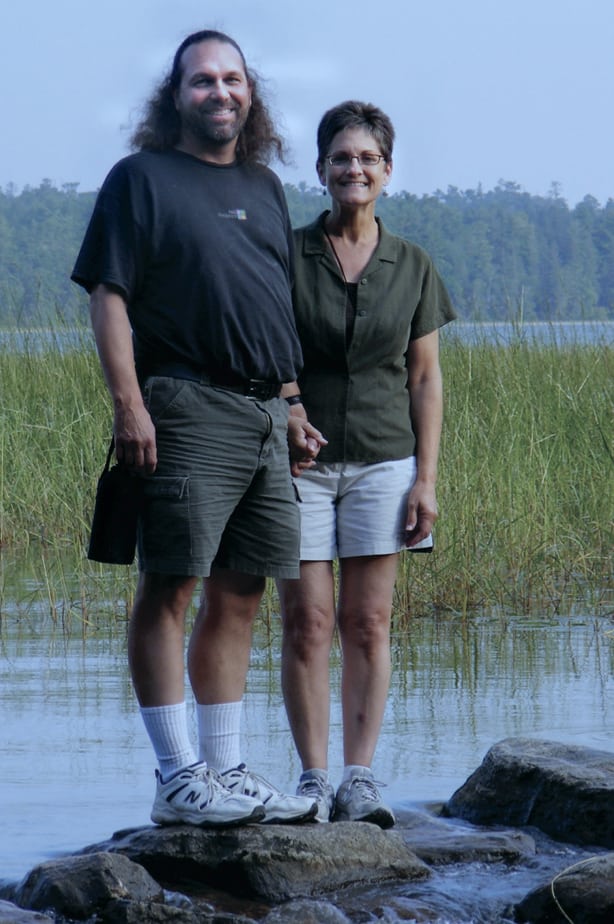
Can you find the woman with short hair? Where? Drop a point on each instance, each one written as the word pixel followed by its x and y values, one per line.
pixel 368 308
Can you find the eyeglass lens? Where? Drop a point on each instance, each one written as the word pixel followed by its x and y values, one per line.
pixel 365 159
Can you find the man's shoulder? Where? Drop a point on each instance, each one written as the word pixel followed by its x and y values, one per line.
pixel 136 168
pixel 259 173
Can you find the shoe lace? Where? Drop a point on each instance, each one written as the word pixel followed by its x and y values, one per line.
pixel 211 778
pixel 250 783
pixel 367 788
pixel 314 788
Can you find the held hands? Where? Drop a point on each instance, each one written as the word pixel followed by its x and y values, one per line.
pixel 304 442
pixel 135 439
pixel 421 513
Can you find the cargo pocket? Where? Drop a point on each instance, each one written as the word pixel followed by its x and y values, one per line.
pixel 165 518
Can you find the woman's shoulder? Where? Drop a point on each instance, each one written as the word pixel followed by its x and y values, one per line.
pixel 401 247
pixel 310 237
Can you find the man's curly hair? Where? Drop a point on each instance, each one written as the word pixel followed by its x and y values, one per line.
pixel 160 126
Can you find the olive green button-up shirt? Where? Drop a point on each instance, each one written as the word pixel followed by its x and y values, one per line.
pixel 356 393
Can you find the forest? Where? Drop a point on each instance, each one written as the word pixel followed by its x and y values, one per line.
pixel 504 254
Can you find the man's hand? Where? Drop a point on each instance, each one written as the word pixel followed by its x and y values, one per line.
pixel 304 442
pixel 135 439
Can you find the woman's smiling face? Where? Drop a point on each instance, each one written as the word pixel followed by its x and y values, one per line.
pixel 353 183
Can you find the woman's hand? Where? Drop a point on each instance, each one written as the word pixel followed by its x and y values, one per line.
pixel 421 513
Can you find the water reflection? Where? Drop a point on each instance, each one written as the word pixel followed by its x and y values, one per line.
pixel 76 765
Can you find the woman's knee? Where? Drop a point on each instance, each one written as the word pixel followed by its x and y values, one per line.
pixel 368 630
pixel 307 629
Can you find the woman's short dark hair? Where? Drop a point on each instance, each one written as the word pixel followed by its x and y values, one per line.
pixel 160 126
pixel 354 114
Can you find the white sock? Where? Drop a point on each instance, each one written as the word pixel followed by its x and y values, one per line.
pixel 357 769
pixel 314 773
pixel 219 734
pixel 167 727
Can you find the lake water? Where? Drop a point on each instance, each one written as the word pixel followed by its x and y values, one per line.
pixel 75 763
pixel 563 334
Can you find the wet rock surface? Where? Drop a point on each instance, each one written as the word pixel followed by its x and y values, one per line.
pixel 566 791
pixel 584 894
pixel 10 914
pixel 431 867
pixel 76 887
pixel 274 863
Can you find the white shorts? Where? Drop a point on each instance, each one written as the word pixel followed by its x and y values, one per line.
pixel 350 509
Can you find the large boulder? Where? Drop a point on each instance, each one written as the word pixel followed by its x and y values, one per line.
pixel 77 887
pixel 275 863
pixel 566 791
pixel 584 894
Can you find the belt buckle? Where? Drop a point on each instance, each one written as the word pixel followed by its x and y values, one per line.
pixel 258 388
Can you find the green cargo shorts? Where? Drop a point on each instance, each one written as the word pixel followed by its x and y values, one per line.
pixel 222 493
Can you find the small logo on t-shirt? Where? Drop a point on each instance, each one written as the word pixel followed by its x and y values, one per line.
pixel 237 214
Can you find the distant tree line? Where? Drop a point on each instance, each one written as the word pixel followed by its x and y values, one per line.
pixel 504 254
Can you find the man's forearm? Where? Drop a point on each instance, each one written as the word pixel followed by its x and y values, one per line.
pixel 113 336
pixel 135 438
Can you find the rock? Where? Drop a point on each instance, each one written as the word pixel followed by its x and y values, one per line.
pixel 11 914
pixel 275 863
pixel 566 791
pixel 127 912
pixel 353 872
pixel 584 894
pixel 79 886
pixel 436 841
pixel 307 911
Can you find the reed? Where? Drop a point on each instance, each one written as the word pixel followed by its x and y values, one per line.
pixel 525 490
pixel 526 482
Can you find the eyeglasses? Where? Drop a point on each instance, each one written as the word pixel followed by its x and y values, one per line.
pixel 365 159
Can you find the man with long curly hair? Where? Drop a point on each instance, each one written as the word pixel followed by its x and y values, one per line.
pixel 188 263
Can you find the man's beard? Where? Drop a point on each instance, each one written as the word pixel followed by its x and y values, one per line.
pixel 198 123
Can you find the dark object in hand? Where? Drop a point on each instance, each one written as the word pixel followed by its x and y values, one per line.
pixel 114 525
pixel 425 545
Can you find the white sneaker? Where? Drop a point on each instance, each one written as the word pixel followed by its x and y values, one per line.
pixel 279 808
pixel 316 787
pixel 358 799
pixel 196 796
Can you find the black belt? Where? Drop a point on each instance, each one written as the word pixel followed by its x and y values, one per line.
pixel 251 388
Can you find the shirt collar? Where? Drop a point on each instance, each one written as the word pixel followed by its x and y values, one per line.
pixel 315 240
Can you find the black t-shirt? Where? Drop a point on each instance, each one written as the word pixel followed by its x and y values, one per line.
pixel 203 256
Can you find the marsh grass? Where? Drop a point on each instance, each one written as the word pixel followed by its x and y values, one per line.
pixel 525 490
pixel 526 482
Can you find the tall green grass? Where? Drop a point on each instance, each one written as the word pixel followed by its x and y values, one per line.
pixel 54 420
pixel 526 488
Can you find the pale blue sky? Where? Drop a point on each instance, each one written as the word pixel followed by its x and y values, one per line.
pixel 478 91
